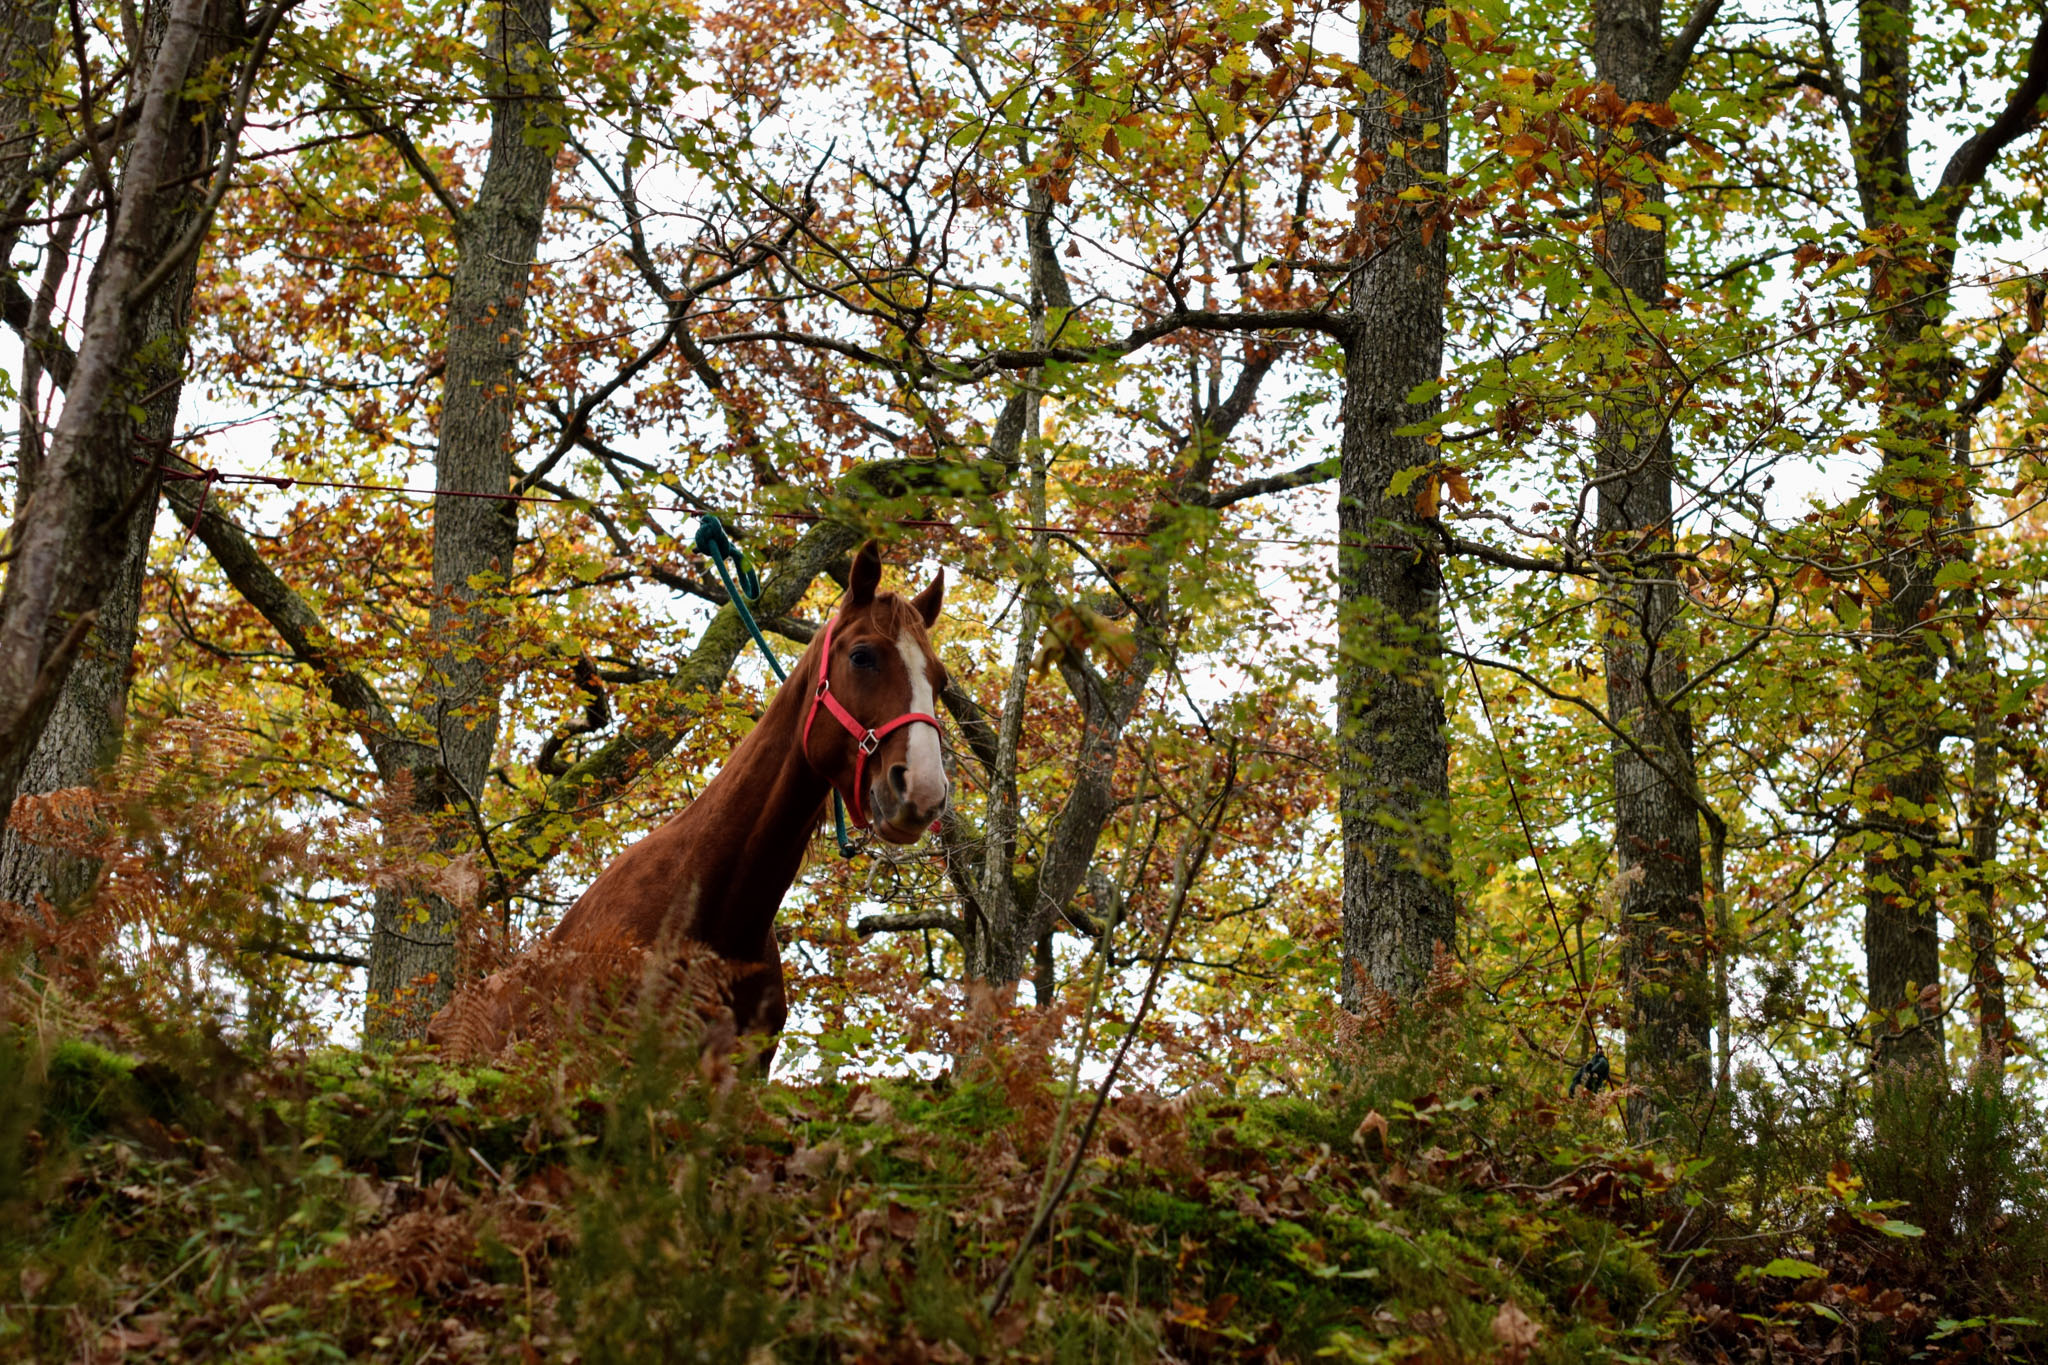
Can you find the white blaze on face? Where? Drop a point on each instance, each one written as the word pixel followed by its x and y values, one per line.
pixel 926 789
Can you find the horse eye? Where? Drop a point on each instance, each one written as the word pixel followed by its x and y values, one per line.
pixel 863 657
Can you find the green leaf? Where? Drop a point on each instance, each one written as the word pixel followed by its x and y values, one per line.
pixel 1785 1268
pixel 1405 479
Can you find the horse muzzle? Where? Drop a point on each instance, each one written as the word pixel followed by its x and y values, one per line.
pixel 905 807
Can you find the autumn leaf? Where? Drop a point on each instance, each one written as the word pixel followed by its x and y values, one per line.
pixel 1515 1332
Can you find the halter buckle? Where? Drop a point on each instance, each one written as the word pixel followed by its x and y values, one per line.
pixel 869 743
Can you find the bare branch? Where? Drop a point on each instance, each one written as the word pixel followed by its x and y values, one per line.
pixel 273 948
pixel 1972 161
pixel 1677 57
pixel 910 922
pixel 1991 383
pixel 1316 471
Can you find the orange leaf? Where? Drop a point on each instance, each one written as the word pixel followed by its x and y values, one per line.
pixel 1426 497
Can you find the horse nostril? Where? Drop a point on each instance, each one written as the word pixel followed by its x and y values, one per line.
pixel 899 780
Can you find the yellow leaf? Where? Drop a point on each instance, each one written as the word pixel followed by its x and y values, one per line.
pixel 1647 222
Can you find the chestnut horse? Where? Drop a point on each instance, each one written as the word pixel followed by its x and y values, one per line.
pixel 855 716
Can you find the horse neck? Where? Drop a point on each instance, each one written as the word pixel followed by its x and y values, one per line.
pixel 756 817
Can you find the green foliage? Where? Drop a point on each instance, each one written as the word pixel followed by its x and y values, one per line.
pixel 1968 1160
pixel 1428 1202
pixel 674 1241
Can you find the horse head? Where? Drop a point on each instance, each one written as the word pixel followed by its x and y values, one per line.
pixel 870 727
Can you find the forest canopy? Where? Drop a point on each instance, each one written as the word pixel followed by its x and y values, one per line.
pixel 1509 522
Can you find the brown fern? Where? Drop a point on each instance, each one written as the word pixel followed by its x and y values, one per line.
pixel 601 997
pixel 1447 980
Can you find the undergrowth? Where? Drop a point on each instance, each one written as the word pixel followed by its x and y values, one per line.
pixel 173 1198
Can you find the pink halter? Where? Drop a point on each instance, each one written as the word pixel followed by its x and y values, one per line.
pixel 867 741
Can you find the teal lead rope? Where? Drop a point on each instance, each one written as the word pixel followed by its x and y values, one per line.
pixel 716 545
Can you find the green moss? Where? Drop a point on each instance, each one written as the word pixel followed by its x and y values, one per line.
pixel 88 1088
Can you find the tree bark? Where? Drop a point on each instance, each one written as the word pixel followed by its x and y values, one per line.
pixel 474 537
pixel 413 946
pixel 1923 495
pixel 1001 946
pixel 1980 861
pixel 1393 753
pixel 1002 943
pixel 28 58
pixel 1903 776
pixel 1670 1000
pixel 83 737
pixel 163 201
pixel 69 541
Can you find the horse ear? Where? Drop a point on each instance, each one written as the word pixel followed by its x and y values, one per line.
pixel 931 599
pixel 866 576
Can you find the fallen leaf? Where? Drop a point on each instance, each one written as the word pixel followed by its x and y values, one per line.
pixel 871 1107
pixel 1373 1122
pixel 1516 1332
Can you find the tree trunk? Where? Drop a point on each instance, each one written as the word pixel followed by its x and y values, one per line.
pixel 413 947
pixel 1923 499
pixel 1044 973
pixel 1987 978
pixel 1393 750
pixel 28 59
pixel 70 541
pixel 1902 779
pixel 1669 997
pixel 1000 950
pixel 83 732
pixel 474 536
pixel 83 736
pixel 1903 776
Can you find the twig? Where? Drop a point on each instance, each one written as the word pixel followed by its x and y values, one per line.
pixel 1189 863
pixel 273 948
